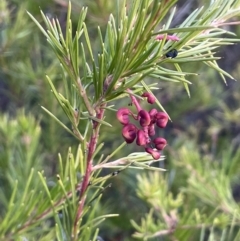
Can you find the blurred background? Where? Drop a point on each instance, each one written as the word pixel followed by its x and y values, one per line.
pixel 207 123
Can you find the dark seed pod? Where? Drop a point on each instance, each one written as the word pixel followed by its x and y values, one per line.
pixel 172 54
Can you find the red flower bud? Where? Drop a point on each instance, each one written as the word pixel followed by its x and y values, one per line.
pixel 155 154
pixel 129 132
pixel 160 143
pixel 161 119
pixel 144 118
pixel 151 130
pixel 152 114
pixel 141 138
pixel 123 115
pixel 150 98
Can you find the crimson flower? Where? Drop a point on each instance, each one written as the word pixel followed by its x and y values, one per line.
pixel 161 119
pixel 129 132
pixel 160 143
pixel 155 154
pixel 150 97
pixel 123 115
pixel 144 118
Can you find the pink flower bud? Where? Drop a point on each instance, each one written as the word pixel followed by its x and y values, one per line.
pixel 123 115
pixel 141 138
pixel 129 132
pixel 150 98
pixel 152 114
pixel 155 154
pixel 151 130
pixel 144 118
pixel 160 143
pixel 161 119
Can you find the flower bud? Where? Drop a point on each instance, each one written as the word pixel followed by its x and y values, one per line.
pixel 152 114
pixel 129 132
pixel 155 154
pixel 161 119
pixel 160 143
pixel 150 97
pixel 151 130
pixel 144 118
pixel 123 115
pixel 141 138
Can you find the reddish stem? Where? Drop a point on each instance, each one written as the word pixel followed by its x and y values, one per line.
pixel 86 179
pixel 134 100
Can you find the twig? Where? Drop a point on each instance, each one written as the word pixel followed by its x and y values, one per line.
pixel 91 149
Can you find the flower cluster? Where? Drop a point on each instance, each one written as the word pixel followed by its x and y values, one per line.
pixel 148 120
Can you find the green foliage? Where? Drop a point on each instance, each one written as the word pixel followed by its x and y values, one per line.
pixel 204 201
pixel 20 146
pixel 91 72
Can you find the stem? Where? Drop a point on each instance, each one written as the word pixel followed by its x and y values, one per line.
pixel 85 98
pixel 134 100
pixel 89 168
